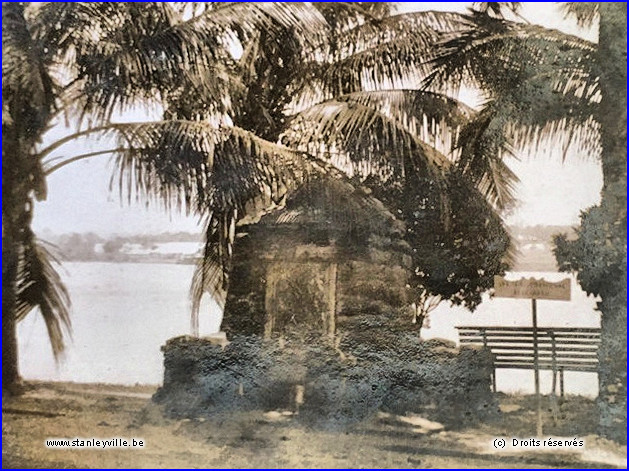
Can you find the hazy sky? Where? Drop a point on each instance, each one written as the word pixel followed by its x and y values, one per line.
pixel 550 192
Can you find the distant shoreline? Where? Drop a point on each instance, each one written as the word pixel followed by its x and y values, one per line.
pixel 521 267
pixel 533 245
pixel 139 260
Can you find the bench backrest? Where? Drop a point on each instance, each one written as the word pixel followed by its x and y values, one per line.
pixel 568 348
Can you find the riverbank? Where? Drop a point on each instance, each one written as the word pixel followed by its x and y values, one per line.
pixel 259 440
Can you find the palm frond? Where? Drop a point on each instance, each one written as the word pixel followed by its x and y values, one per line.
pixel 484 145
pixel 192 165
pixel 40 286
pixel 212 270
pixel 496 9
pixel 375 54
pixel 27 88
pixel 361 140
pixel 371 32
pixel 117 54
pixel 377 10
pixel 344 15
pixel 268 16
pixel 125 53
pixel 543 83
pixel 394 63
pixel 537 118
pixel 585 13
pixel 497 55
pixel 435 118
pixel 365 143
pixel 578 134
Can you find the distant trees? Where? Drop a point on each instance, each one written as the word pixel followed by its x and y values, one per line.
pixel 92 247
pixel 112 246
pixel 78 246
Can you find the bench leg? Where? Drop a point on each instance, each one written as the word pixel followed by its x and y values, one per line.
pixel 554 388
pixel 554 406
pixel 493 380
pixel 561 390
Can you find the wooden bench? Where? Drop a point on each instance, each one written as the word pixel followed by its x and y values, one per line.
pixel 559 348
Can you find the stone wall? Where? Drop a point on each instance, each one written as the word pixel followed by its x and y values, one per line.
pixel 282 277
pixel 342 382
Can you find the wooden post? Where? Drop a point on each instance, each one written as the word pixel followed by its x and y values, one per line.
pixel 554 361
pixel 561 381
pixel 536 367
pixel 493 376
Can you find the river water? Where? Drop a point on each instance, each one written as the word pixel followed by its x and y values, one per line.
pixel 122 313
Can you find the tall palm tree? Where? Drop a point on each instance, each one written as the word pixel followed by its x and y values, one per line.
pixel 599 254
pixel 352 103
pixel 549 88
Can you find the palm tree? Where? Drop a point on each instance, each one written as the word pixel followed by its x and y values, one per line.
pixel 546 87
pixel 237 135
pixel 87 61
pixel 599 254
pixel 351 103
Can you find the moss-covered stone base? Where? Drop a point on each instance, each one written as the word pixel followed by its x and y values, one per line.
pixel 328 382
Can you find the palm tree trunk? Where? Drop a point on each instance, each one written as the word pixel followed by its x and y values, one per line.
pixel 612 117
pixel 613 120
pixel 10 372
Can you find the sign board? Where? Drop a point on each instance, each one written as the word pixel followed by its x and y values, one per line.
pixel 532 289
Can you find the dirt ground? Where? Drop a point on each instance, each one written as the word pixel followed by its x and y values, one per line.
pixel 274 440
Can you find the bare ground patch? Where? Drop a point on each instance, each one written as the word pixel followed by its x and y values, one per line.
pixel 255 439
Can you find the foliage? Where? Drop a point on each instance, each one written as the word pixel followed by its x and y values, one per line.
pixel 597 254
pixel 456 262
pixel 548 88
pixel 345 101
pixel 40 285
pixel 28 102
pixel 541 85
